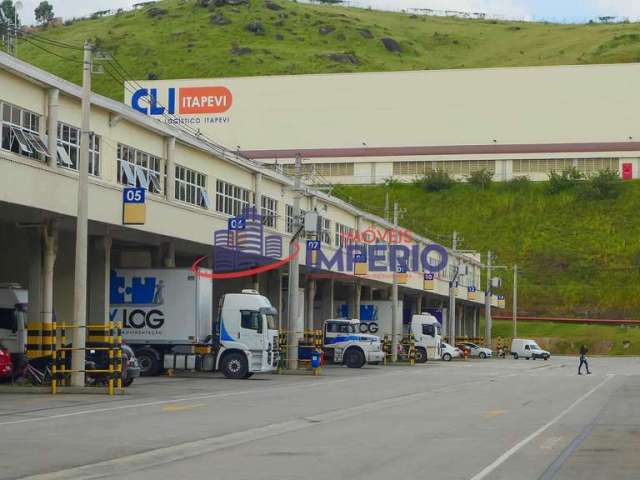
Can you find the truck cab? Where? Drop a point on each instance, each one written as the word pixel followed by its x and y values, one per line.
pixel 246 335
pixel 343 343
pixel 13 320
pixel 427 336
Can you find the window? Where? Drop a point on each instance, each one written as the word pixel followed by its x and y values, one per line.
pixel 429 330
pixel 344 235
pixel 593 165
pixel 191 187
pixel 325 230
pixel 452 167
pixel 8 319
pixel 342 169
pixel 69 149
pixel 20 132
pixel 541 165
pixel 231 199
pixel 138 168
pixel 251 320
pixel 289 217
pixel 269 211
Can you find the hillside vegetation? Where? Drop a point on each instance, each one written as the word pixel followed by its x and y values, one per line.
pixel 216 38
pixel 577 257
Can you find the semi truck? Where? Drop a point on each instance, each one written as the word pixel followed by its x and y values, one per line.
pixel 344 343
pixel 167 318
pixel 375 318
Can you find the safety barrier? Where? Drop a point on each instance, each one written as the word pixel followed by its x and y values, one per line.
pixel 406 349
pixel 309 350
pixel 110 336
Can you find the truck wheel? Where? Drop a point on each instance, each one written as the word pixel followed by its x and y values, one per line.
pixel 354 358
pixel 127 382
pixel 515 356
pixel 235 366
pixel 149 363
pixel 483 355
pixel 421 355
pixel 446 357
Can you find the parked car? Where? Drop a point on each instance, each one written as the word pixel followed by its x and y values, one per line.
pixel 131 367
pixel 477 350
pixel 6 365
pixel 529 349
pixel 449 352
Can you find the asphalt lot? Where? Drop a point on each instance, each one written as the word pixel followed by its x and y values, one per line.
pixel 493 419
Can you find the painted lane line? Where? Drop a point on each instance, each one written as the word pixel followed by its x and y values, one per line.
pixel 122 466
pixel 506 455
pixel 194 397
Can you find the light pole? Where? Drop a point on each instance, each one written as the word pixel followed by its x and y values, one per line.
pixel 514 308
pixel 82 229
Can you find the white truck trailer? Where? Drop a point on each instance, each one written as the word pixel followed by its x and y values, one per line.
pixel 167 319
pixel 343 343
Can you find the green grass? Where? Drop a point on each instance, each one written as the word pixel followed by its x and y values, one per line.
pixel 576 257
pixel 183 43
pixel 567 338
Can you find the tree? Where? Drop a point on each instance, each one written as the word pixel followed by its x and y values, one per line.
pixel 8 9
pixel 44 12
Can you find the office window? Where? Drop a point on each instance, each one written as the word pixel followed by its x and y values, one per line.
pixel 269 211
pixel 325 230
pixel 289 217
pixel 20 132
pixel 69 149
pixel 191 187
pixel 344 235
pixel 138 168
pixel 231 199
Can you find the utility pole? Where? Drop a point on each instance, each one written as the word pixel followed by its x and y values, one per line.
pixel 82 229
pixel 515 301
pixel 294 280
pixel 394 293
pixel 451 330
pixel 386 206
pixel 487 304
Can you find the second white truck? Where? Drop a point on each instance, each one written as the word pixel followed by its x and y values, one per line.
pixel 343 343
pixel 167 319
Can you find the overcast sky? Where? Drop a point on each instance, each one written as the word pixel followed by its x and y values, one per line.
pixel 556 10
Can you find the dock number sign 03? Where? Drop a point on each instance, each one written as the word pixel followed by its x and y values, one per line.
pixel 134 208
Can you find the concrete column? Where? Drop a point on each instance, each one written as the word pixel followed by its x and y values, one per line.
pixel 53 97
pixel 327 300
pixel 99 280
pixel 311 295
pixel 34 314
pixel 476 322
pixel 257 188
pixel 357 297
pixel 50 243
pixel 170 192
pixel 420 303
pixel 169 255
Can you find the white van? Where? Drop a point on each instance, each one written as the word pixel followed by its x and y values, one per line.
pixel 529 349
pixel 13 320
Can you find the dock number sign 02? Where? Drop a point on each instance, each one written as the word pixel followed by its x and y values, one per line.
pixel 134 208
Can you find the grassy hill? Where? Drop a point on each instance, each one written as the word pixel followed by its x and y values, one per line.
pixel 182 39
pixel 576 257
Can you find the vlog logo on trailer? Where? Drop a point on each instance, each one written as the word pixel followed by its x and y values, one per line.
pixel 136 305
pixel 208 103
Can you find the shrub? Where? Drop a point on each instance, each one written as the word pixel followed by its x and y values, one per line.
pixel 391 182
pixel 567 180
pixel 481 178
pixel 518 183
pixel 603 185
pixel 435 181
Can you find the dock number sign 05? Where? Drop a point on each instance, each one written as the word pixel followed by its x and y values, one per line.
pixel 134 208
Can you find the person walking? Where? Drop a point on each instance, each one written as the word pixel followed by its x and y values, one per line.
pixel 583 360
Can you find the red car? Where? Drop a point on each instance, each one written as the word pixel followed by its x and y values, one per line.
pixel 6 366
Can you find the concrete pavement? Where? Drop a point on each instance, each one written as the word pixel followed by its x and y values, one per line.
pixel 498 419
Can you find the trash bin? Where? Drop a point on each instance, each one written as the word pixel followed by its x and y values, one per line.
pixel 316 359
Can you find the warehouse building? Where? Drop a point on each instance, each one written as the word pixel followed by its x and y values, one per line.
pixel 367 127
pixel 193 188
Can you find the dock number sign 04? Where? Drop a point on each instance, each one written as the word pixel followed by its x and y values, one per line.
pixel 134 208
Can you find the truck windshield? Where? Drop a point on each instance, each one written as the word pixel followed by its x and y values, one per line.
pixel 341 328
pixel 271 322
